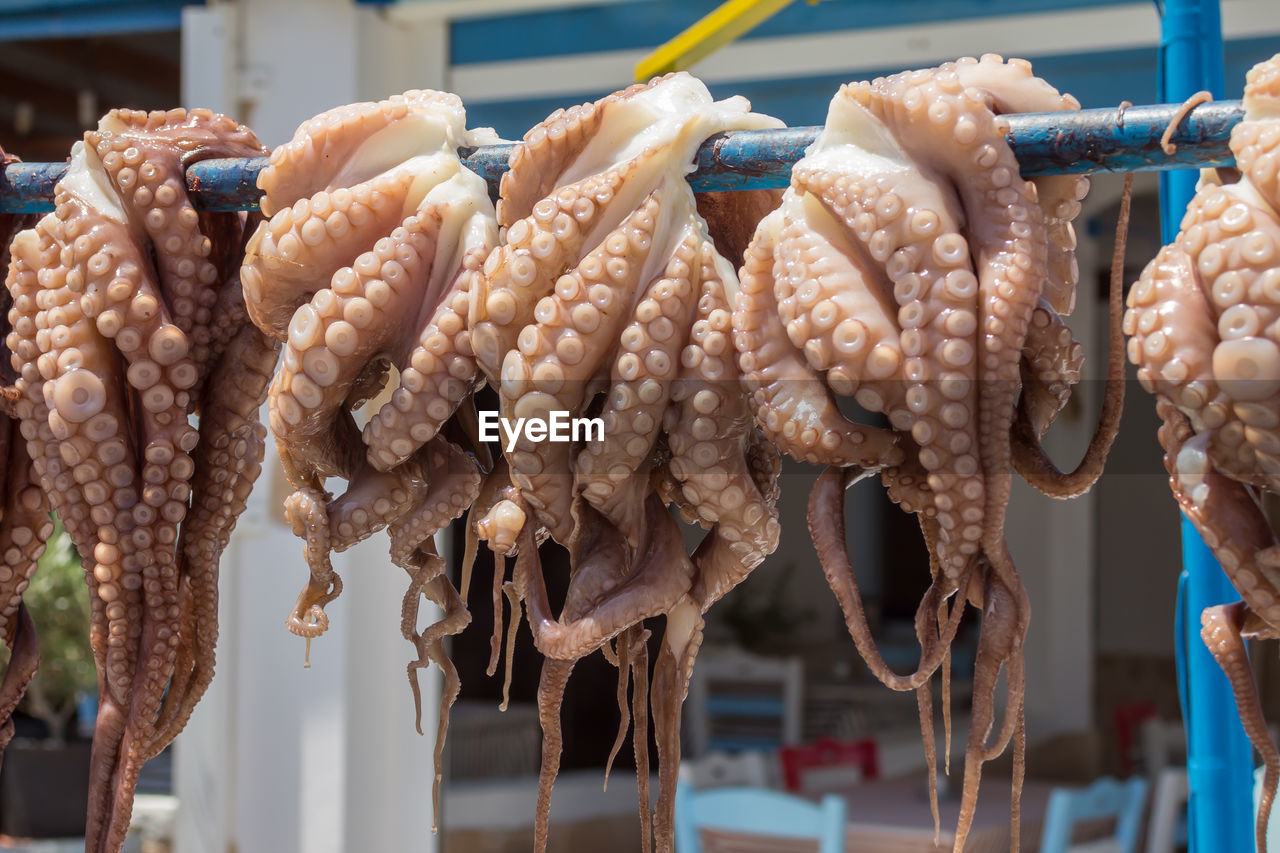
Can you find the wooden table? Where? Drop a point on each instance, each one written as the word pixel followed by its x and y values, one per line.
pixel 892 816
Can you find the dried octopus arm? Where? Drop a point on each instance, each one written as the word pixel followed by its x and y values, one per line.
pixel 453 484
pixel 227 462
pixel 526 267
pixel 560 353
pixel 1029 457
pixel 356 321
pixel 681 642
pixel 427 580
pixel 295 254
pixel 150 174
pixel 1004 615
pixel 1253 140
pixel 793 407
pixel 24 518
pixel 606 597
pixel 440 371
pixel 1221 630
pixel 623 588
pixel 1051 360
pixel 826 526
pixel 1012 88
pixel 1225 513
pixel 709 431
pixel 607 470
pixel 24 529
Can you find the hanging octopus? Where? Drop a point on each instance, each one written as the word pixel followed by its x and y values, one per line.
pixel 24 517
pixel 612 296
pixel 912 269
pixel 1206 341
pixel 127 319
pixel 364 268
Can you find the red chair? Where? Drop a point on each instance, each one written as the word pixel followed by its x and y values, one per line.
pixel 828 754
pixel 1129 719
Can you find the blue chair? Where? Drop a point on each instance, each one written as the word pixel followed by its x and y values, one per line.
pixel 1105 798
pixel 755 811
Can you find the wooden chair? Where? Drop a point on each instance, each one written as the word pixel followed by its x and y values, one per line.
pixel 1167 827
pixel 1105 798
pixel 749 812
pixel 852 761
pixel 749 768
pixel 742 701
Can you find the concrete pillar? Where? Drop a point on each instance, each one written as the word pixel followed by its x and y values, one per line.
pixel 277 757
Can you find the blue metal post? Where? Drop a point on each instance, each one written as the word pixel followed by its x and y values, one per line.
pixel 1219 758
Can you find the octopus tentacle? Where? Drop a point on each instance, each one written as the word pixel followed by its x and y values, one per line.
pixel 826 527
pixel 642 376
pixel 24 514
pixel 24 660
pixel 1029 458
pixel 583 316
pixel 640 736
pixel 440 372
pixel 342 329
pixel 525 269
pixel 454 482
pixel 999 646
pixel 1224 512
pixel 911 227
pixel 680 644
pixel 1011 87
pixel 306 511
pixel 623 590
pixel 427 579
pixel 1051 360
pixel 622 660
pixel 709 432
pixel 294 255
pixel 1221 630
pixel 551 686
pixel 796 413
pixel 226 463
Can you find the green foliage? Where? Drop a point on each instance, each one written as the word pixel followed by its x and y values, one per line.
pixel 58 600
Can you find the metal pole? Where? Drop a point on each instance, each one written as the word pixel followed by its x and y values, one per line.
pixel 1219 757
pixel 1073 142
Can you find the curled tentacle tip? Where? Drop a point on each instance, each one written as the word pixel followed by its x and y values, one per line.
pixel 309 626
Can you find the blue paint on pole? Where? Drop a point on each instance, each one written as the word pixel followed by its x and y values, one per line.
pixel 1073 142
pixel 1219 757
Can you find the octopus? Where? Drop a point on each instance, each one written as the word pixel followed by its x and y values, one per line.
pixel 611 296
pixel 24 519
pixel 138 384
pixel 1204 335
pixel 363 272
pixel 911 268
